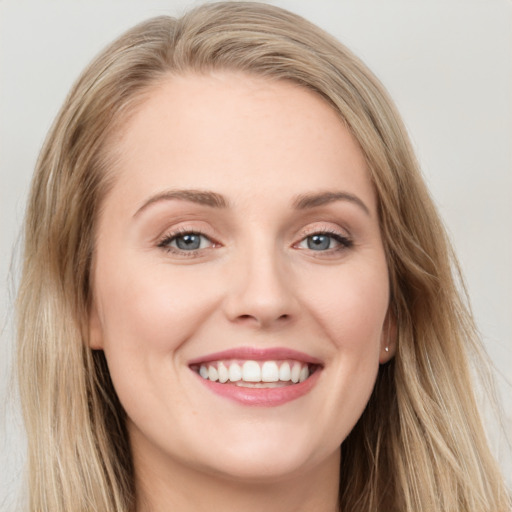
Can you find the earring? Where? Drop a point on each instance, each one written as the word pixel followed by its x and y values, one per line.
pixel 386 349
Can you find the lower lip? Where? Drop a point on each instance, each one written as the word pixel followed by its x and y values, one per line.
pixel 263 397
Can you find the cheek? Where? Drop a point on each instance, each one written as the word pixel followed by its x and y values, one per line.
pixel 149 308
pixel 351 305
pixel 146 316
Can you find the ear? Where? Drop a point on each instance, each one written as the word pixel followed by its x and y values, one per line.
pixel 95 330
pixel 388 339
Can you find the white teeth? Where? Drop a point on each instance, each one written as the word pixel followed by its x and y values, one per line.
pixel 223 373
pixel 203 371
pixel 261 385
pixel 251 371
pixel 255 373
pixel 213 374
pixel 270 372
pixel 285 372
pixel 235 372
pixel 296 372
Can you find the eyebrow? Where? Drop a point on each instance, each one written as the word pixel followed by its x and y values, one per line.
pixel 203 197
pixel 314 200
pixel 215 200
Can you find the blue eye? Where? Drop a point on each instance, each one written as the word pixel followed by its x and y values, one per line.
pixel 189 241
pixel 324 242
pixel 319 242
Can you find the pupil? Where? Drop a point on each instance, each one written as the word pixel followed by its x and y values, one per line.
pixel 319 242
pixel 188 242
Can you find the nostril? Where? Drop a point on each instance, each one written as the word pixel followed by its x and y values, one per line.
pixel 263 321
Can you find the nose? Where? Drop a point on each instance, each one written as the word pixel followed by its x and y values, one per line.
pixel 260 291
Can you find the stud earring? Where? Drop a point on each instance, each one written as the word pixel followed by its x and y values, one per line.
pixel 386 349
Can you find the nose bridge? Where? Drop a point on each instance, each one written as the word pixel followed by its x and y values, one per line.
pixel 260 291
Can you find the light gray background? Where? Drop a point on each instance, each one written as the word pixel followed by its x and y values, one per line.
pixel 447 63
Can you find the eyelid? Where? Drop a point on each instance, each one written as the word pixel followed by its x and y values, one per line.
pixel 324 228
pixel 175 232
pixel 343 238
pixel 341 235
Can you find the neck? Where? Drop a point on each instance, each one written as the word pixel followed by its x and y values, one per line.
pixel 178 487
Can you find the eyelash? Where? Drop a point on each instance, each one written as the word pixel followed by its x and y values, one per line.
pixel 180 232
pixel 343 241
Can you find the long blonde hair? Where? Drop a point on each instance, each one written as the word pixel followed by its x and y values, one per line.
pixel 418 446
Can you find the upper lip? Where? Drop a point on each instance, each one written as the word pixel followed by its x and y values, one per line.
pixel 257 354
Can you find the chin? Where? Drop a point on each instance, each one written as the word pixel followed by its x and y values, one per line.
pixel 261 469
pixel 266 457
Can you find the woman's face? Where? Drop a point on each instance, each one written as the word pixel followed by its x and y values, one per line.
pixel 239 252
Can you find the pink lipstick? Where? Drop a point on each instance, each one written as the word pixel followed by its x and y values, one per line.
pixel 254 376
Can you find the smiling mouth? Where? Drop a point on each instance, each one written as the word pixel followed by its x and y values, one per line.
pixel 256 374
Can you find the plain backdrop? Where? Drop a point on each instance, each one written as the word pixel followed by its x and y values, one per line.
pixel 447 64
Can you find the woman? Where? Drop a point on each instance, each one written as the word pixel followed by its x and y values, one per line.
pixel 237 292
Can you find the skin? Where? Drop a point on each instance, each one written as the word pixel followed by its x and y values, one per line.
pixel 254 282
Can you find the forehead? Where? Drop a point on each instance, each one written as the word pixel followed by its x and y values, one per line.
pixel 240 133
